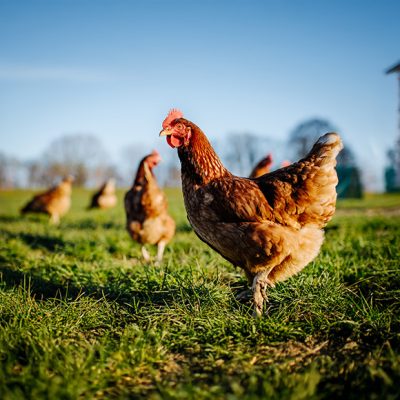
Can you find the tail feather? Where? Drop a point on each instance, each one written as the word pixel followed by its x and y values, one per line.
pixel 304 193
pixel 320 186
pixel 327 147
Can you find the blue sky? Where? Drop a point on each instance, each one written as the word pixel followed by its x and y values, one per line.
pixel 115 68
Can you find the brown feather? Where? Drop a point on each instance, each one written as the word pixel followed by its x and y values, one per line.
pixel 262 167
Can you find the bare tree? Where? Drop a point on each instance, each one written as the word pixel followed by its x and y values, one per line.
pixel 302 138
pixel 173 178
pixel 81 155
pixel 34 171
pixel 241 152
pixel 9 171
pixel 346 157
pixel 131 155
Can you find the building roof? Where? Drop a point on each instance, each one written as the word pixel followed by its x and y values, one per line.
pixel 394 68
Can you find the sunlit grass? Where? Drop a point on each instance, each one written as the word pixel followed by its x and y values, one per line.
pixel 82 316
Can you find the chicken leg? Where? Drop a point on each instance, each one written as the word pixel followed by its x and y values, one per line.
pixel 54 219
pixel 145 254
pixel 160 250
pixel 259 288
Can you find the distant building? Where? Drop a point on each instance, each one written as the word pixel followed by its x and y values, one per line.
pixel 350 185
pixel 392 172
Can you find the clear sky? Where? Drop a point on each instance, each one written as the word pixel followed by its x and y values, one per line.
pixel 114 68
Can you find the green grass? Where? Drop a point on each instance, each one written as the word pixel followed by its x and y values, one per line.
pixel 81 316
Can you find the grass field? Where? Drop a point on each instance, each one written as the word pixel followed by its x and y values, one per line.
pixel 82 317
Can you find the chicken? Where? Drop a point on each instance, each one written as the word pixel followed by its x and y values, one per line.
pixel 262 167
pixel 271 226
pixel 285 163
pixel 147 218
pixel 55 202
pixel 105 197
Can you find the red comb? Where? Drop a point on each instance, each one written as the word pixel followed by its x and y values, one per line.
pixel 172 115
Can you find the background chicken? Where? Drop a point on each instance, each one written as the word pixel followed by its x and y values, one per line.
pixel 105 197
pixel 55 202
pixel 285 163
pixel 147 218
pixel 270 226
pixel 262 167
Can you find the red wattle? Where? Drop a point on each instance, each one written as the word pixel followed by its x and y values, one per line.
pixel 174 141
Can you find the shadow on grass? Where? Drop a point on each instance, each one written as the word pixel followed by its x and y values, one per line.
pixel 31 217
pixel 50 243
pixel 84 223
pixel 90 223
pixel 10 218
pixel 118 290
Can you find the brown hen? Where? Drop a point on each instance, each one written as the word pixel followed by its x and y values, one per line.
pixel 55 202
pixel 262 167
pixel 147 218
pixel 271 226
pixel 105 197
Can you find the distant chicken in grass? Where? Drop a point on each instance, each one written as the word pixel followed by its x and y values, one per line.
pixel 55 202
pixel 271 226
pixel 262 167
pixel 105 197
pixel 147 218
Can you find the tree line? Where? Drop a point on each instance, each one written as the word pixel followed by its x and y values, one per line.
pixel 84 157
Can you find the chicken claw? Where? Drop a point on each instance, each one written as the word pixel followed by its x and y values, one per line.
pixel 160 250
pixel 145 254
pixel 259 288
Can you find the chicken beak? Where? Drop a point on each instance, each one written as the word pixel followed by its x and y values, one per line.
pixel 165 132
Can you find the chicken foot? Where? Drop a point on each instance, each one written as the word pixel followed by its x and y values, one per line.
pixel 145 254
pixel 259 288
pixel 160 250
pixel 54 219
pixel 247 293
